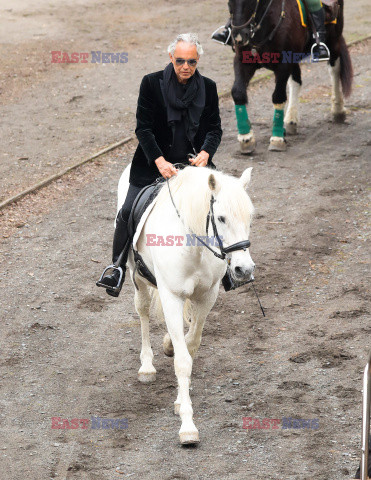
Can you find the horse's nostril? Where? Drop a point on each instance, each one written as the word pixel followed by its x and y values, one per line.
pixel 239 271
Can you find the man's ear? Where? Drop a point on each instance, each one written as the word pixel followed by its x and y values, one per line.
pixel 246 177
pixel 214 185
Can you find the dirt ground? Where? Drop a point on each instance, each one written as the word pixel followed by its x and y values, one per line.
pixel 70 351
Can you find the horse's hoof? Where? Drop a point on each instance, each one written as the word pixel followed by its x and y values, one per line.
pixel 247 143
pixel 168 346
pixel 189 438
pixel 291 128
pixel 176 408
pixel 277 144
pixel 145 377
pixel 339 117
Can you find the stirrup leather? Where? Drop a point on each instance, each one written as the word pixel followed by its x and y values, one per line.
pixel 116 288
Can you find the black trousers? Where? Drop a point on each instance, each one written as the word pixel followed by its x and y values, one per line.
pixel 121 238
pixel 129 200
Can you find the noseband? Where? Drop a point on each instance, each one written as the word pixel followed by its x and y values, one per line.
pixel 243 245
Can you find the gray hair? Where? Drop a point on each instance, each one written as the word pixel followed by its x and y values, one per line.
pixel 190 38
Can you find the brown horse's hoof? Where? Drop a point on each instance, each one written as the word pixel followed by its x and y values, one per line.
pixel 291 128
pixel 277 144
pixel 247 143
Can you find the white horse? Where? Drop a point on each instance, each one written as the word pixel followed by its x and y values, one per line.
pixel 188 275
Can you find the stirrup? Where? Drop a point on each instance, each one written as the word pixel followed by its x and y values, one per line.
pixel 315 60
pixel 114 289
pixel 217 30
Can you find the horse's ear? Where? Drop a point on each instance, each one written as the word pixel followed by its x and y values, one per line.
pixel 213 184
pixel 246 177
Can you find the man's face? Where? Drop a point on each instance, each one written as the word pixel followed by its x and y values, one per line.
pixel 184 51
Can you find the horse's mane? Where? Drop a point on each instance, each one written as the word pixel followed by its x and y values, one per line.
pixel 191 194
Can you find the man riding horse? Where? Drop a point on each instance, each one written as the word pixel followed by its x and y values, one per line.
pixel 177 115
pixel 319 49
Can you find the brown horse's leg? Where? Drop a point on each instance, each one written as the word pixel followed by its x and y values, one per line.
pixel 292 115
pixel 243 73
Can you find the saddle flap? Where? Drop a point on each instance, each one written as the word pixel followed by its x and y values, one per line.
pixel 144 198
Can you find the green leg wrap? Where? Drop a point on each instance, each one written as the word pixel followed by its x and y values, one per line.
pixel 243 122
pixel 278 129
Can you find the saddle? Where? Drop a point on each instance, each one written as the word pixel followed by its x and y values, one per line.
pixel 143 200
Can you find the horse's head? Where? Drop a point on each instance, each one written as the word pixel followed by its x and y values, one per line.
pixel 233 212
pixel 243 18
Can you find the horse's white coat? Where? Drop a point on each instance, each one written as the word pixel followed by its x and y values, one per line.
pixel 337 100
pixel 292 113
pixel 189 272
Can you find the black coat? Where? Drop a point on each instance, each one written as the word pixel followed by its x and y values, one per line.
pixel 155 136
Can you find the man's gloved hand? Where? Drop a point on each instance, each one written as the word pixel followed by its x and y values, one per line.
pixel 166 169
pixel 200 160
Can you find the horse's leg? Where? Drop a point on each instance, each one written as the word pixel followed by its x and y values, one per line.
pixel 173 310
pixel 142 300
pixel 277 141
pixel 291 116
pixel 201 309
pixel 337 102
pixel 243 73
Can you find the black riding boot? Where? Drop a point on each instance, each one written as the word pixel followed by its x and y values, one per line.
pixel 320 52
pixel 224 36
pixel 114 280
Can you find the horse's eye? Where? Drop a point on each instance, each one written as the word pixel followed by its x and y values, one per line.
pixel 221 219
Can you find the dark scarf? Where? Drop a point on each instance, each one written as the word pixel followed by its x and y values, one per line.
pixel 190 106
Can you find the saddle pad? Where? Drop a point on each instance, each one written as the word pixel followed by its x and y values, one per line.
pixel 303 13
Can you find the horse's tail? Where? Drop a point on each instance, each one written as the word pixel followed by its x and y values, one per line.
pixel 346 68
pixel 157 307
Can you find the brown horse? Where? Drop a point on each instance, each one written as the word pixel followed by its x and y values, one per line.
pixel 269 33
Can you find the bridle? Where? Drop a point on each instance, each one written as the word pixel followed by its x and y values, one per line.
pixel 251 19
pixel 243 245
pixel 255 27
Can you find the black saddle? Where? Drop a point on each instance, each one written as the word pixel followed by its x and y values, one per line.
pixel 144 198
